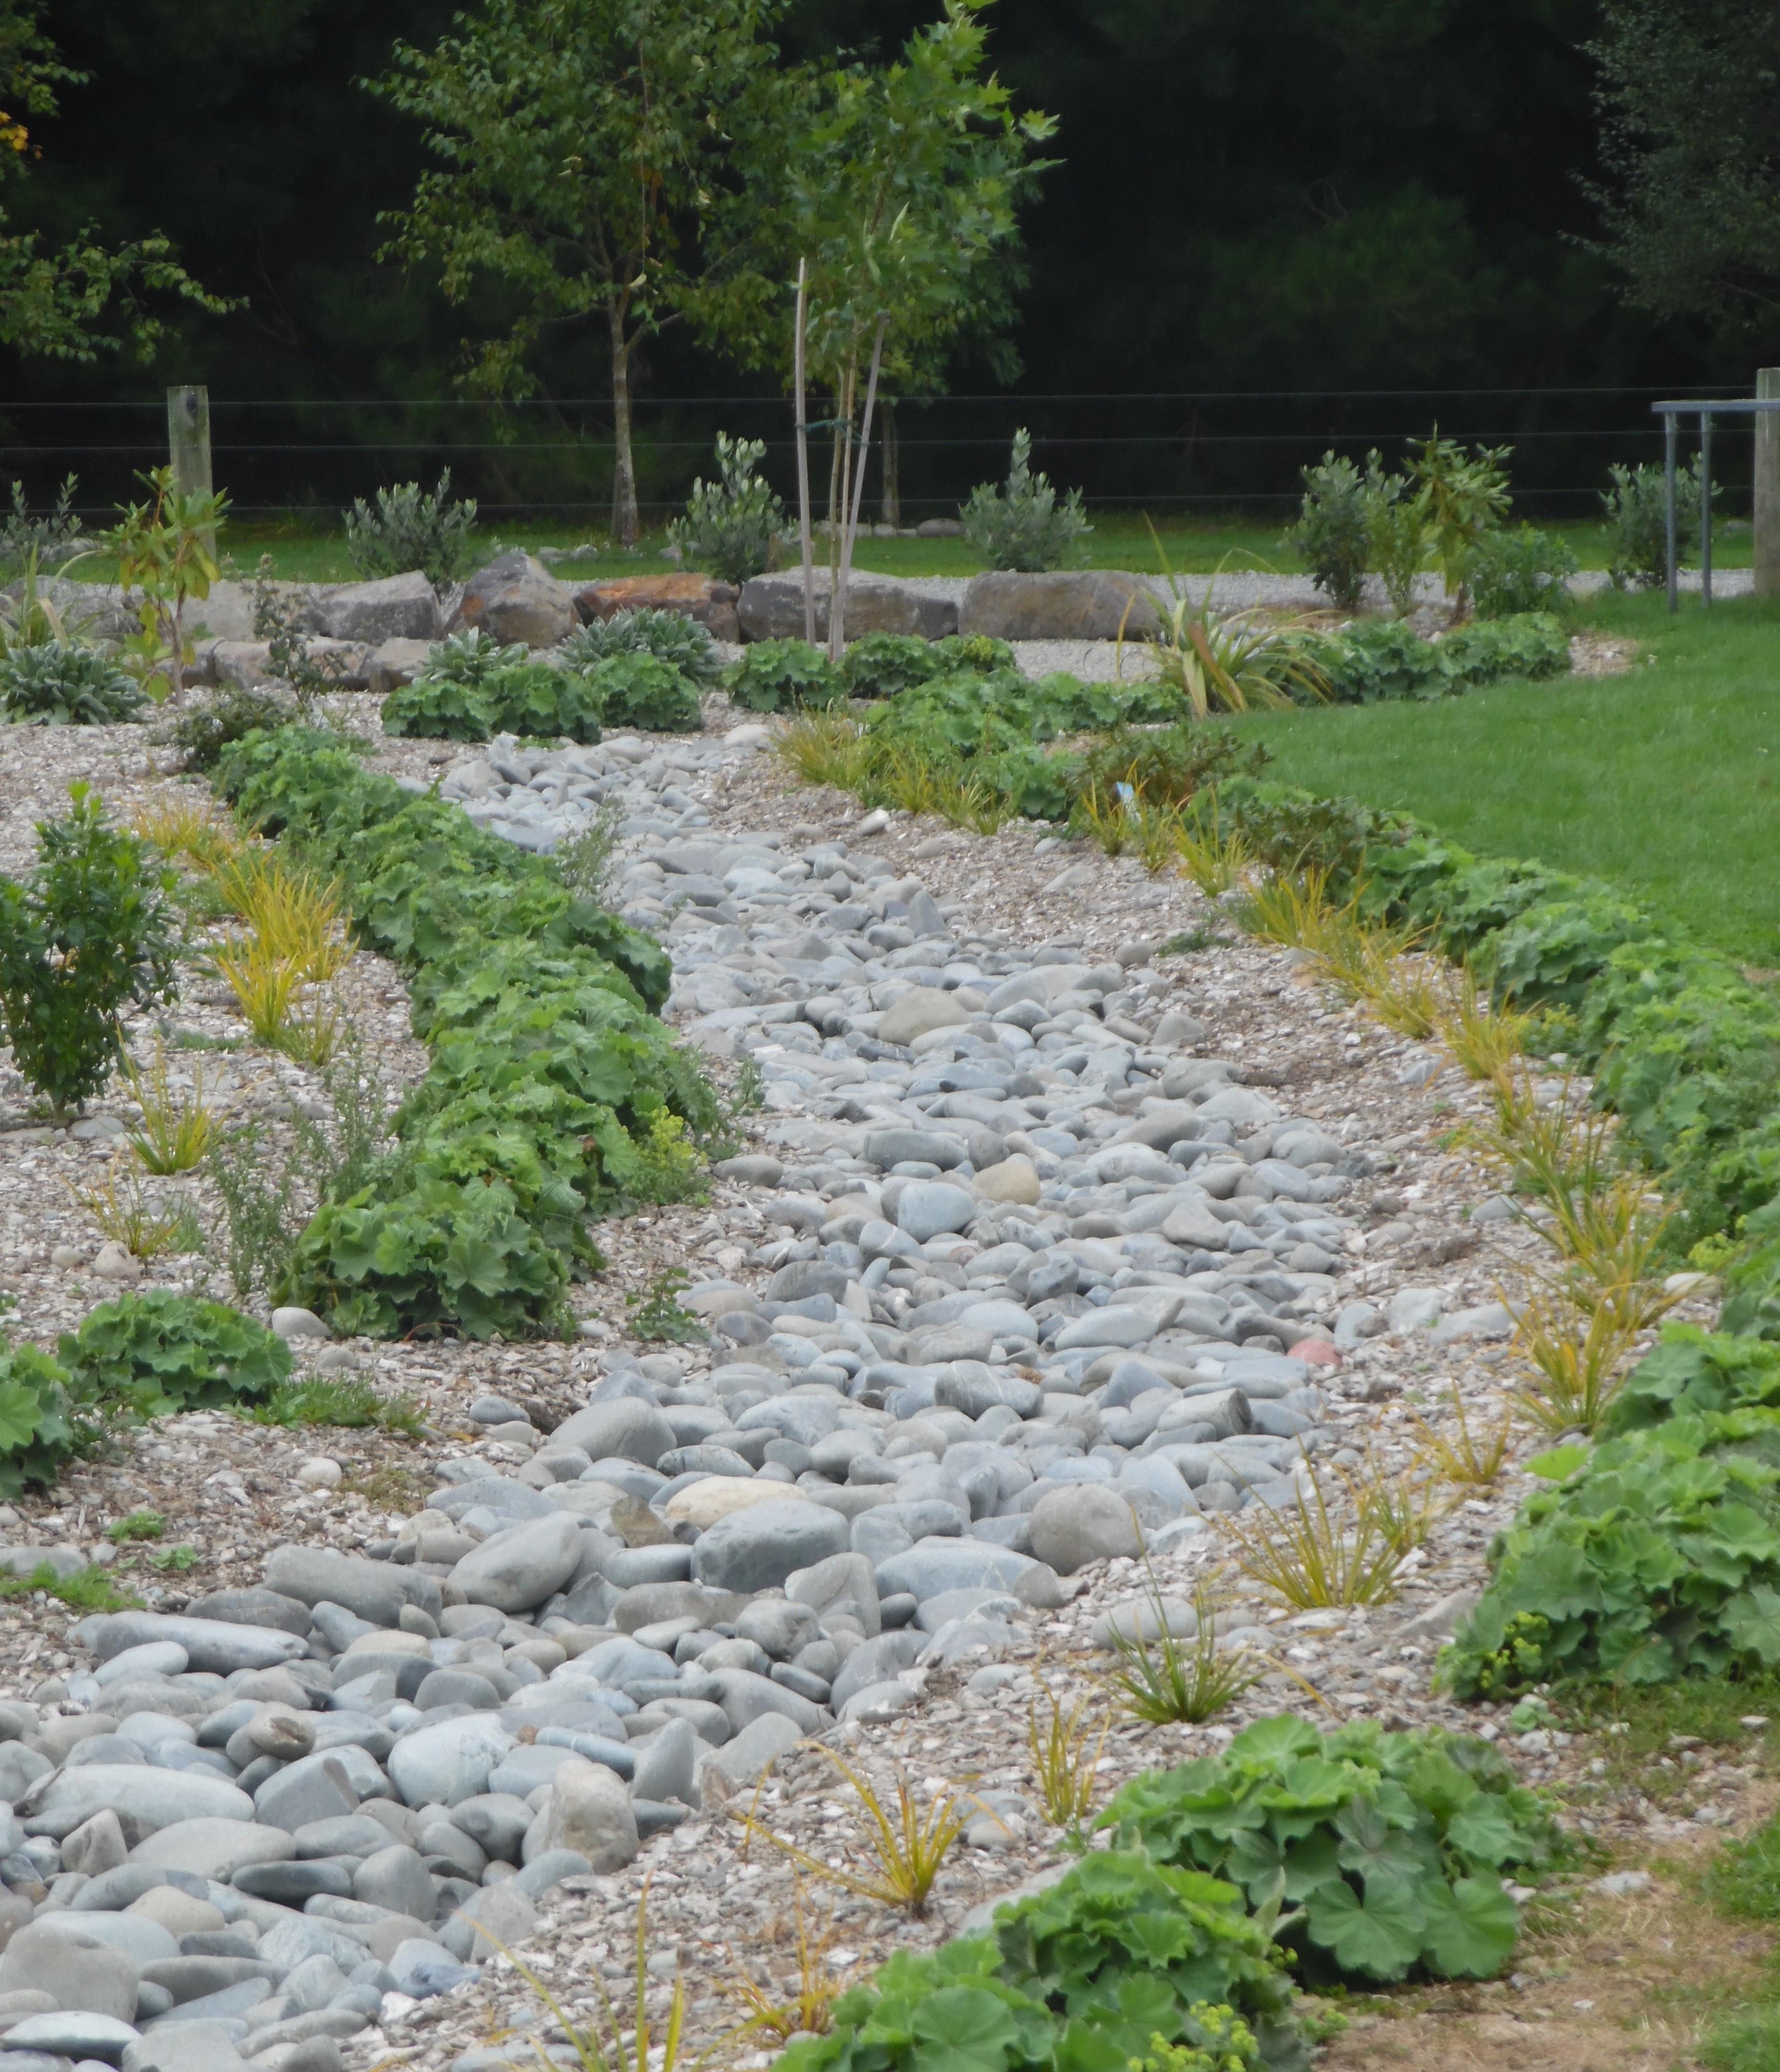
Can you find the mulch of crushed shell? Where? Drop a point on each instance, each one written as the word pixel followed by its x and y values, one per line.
pixel 717 1906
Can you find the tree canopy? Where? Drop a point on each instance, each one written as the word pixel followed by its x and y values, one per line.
pixel 1385 195
pixel 1690 93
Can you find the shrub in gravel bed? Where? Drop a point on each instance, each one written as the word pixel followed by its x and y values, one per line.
pixel 1092 1974
pixel 88 932
pixel 672 637
pixel 548 1066
pixel 38 1428
pixel 644 690
pixel 1372 660
pixel 884 664
pixel 1658 1554
pixel 1390 1847
pixel 55 684
pixel 524 698
pixel 783 676
pixel 155 1355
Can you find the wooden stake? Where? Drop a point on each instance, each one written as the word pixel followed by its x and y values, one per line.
pixel 803 454
pixel 188 442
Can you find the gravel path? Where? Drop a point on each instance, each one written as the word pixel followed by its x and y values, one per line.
pixel 1065 1212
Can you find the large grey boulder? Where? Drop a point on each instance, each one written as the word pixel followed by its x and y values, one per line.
pixel 771 608
pixel 515 598
pixel 1084 1521
pixel 622 1427
pixel 373 1590
pixel 218 1646
pixel 445 1765
pixel 143 1798
pixel 395 608
pixel 588 1810
pixel 1086 604
pixel 757 1548
pixel 516 1570
pixel 76 1970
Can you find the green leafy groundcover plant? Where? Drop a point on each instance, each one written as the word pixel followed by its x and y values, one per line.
pixel 38 1428
pixel 143 1356
pixel 525 697
pixel 1389 1849
pixel 783 676
pixel 549 1066
pixel 642 689
pixel 1119 1955
pixel 1377 659
pixel 155 1355
pixel 1658 1554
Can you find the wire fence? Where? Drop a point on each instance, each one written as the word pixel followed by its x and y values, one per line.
pixel 1213 455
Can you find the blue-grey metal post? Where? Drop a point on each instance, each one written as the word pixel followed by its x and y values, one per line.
pixel 1668 472
pixel 1705 506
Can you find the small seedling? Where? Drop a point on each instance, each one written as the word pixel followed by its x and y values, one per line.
pixel 349 1404
pixel 1186 1679
pixel 139 1525
pixel 910 1846
pixel 615 2040
pixel 1311 1560
pixel 174 1559
pixel 86 1590
pixel 1469 1459
pixel 177 1128
pixel 127 1215
pixel 1064 1764
pixel 657 1313
pixel 808 2008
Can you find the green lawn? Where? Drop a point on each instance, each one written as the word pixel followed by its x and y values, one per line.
pixel 310 552
pixel 1667 781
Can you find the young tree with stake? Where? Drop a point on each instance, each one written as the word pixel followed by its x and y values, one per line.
pixel 585 147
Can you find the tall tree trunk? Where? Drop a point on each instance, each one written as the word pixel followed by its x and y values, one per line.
pixel 837 602
pixel 624 513
pixel 890 508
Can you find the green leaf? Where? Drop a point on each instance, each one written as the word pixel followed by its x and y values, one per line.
pixel 1472 1928
pixel 1752 1619
pixel 21 1409
pixel 1385 1856
pixel 1275 1740
pixel 1483 1833
pixel 1380 1937
pixel 1557 1464
pixel 962 2028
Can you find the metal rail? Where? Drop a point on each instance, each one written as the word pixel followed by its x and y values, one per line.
pixel 1739 406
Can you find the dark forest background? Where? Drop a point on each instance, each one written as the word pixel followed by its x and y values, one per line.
pixel 1257 199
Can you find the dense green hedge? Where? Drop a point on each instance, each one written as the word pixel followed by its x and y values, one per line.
pixel 1659 1553
pixel 548 1063
pixel 1683 1047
